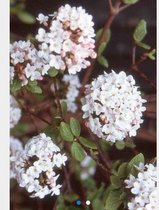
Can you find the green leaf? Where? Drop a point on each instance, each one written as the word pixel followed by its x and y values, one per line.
pixel 107 35
pixel 103 61
pixel 97 204
pixel 129 143
pixel 143 45
pixel 115 181
pixel 130 1
pixel 140 31
pixel 120 145
pixel 77 151
pixel 53 72
pixel 101 48
pixel 113 200
pixel 123 170
pixel 137 159
pixel 75 126
pixel 16 85
pixel 34 87
pixel 64 107
pixel 65 132
pixel 87 143
pixel 151 54
pixel 26 17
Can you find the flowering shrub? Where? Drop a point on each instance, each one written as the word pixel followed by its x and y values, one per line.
pixel 81 130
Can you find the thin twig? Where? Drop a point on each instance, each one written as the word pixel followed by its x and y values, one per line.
pixel 113 11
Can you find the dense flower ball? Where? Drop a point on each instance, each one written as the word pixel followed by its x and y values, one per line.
pixel 73 86
pixel 87 168
pixel 25 63
pixel 15 112
pixel 113 106
pixel 68 40
pixel 143 188
pixel 37 164
pixel 15 147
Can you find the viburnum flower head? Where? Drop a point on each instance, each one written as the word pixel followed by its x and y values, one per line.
pixel 143 188
pixel 68 40
pixel 113 106
pixel 37 164
pixel 25 64
pixel 15 112
pixel 15 147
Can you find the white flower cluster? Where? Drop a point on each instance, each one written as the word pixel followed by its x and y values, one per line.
pixel 143 188
pixel 36 165
pixel 113 106
pixel 73 86
pixel 69 42
pixel 25 63
pixel 87 168
pixel 15 147
pixel 15 112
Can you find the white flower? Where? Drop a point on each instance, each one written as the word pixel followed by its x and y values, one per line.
pixel 15 112
pixel 27 63
pixel 143 188
pixel 15 147
pixel 35 166
pixel 73 85
pixel 70 38
pixel 42 18
pixel 113 106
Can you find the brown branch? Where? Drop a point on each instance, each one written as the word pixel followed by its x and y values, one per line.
pixel 67 179
pixel 135 66
pixel 113 11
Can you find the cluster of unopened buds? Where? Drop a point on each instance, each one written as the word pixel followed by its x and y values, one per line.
pixel 143 188
pixel 35 167
pixel 113 106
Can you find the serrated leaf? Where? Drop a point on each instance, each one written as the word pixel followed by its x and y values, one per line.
pixel 75 126
pixel 65 132
pixel 113 200
pixel 120 145
pixel 26 17
pixel 137 159
pixel 130 1
pixel 143 45
pixel 123 170
pixel 16 85
pixel 103 61
pixel 77 151
pixel 101 48
pixel 87 143
pixel 115 181
pixel 140 31
pixel 53 72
